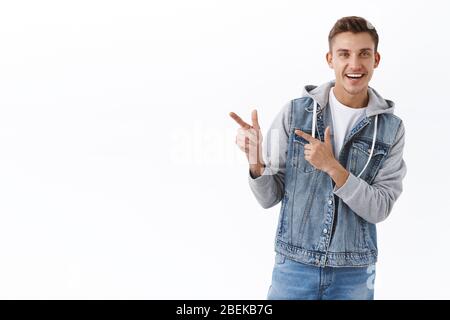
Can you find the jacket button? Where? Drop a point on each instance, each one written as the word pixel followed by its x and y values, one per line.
pixel 325 231
pixel 330 202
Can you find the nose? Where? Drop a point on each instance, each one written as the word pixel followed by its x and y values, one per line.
pixel 355 62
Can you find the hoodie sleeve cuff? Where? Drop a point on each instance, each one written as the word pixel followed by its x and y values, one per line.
pixel 262 179
pixel 347 190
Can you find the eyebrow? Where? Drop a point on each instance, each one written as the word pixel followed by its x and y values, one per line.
pixel 360 50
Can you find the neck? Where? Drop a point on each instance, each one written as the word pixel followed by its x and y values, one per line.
pixel 358 100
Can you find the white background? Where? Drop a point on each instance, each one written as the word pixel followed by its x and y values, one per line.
pixel 119 176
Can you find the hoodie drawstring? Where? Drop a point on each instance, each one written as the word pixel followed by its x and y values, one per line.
pixel 313 131
pixel 373 146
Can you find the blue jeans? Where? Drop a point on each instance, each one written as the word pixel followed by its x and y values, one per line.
pixel 292 280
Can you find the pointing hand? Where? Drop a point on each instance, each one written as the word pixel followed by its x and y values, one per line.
pixel 249 140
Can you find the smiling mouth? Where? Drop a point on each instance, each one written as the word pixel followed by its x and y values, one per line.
pixel 354 76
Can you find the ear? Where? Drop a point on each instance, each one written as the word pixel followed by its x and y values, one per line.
pixel 329 58
pixel 377 59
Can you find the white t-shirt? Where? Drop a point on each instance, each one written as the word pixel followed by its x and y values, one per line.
pixel 344 119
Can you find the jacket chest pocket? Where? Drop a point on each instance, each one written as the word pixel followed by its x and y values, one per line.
pixel 360 152
pixel 298 155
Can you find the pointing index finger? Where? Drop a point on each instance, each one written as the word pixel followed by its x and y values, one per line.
pixel 305 136
pixel 241 122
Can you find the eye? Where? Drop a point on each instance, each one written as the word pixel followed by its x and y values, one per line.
pixel 365 53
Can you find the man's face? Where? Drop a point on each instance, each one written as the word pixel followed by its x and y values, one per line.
pixel 353 59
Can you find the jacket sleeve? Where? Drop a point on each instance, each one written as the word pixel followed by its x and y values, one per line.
pixel 374 202
pixel 269 187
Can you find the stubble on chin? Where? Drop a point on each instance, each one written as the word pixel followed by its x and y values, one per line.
pixel 354 90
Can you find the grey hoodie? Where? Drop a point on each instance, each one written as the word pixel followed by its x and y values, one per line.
pixel 371 202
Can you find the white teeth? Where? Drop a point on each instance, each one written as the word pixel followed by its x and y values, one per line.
pixel 354 75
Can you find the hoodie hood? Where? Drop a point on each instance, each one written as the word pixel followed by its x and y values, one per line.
pixel 377 104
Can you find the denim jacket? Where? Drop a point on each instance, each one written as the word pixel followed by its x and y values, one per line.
pixel 320 224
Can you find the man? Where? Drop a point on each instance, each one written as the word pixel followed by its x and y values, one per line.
pixel 338 171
